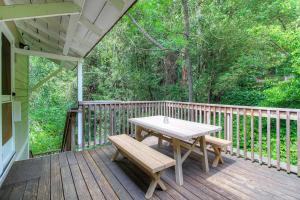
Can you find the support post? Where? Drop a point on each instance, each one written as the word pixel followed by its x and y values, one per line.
pixel 79 98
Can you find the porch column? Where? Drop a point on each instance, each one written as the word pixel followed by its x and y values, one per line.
pixel 80 98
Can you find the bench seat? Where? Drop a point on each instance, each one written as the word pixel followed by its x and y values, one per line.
pixel 148 159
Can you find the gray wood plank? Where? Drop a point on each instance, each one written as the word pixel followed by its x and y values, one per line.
pixel 100 178
pixel 44 183
pixel 56 183
pixel 81 188
pixel 67 180
pixel 92 185
pixel 5 192
pixel 114 181
pixel 17 191
pixel 31 190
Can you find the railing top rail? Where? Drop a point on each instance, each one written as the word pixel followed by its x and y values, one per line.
pixel 237 107
pixel 80 103
pixel 115 102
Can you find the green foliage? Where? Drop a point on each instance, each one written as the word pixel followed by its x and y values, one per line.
pixel 49 104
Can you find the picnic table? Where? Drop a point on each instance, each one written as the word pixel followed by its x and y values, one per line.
pixel 178 132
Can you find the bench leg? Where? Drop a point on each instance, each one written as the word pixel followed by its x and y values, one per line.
pixel 114 157
pixel 218 158
pixel 204 152
pixel 155 181
pixel 178 166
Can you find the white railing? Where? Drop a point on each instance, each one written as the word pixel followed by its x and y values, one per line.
pixel 257 133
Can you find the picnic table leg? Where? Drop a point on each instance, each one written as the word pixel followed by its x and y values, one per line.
pixel 204 152
pixel 178 166
pixel 138 133
pixel 159 142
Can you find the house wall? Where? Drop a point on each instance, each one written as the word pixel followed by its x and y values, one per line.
pixel 21 90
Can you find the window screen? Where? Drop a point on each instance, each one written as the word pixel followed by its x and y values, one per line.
pixel 6 66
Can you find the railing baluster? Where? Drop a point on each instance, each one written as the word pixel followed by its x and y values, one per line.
pixel 260 136
pixel 89 125
pixel 120 118
pixel 200 113
pixel 131 116
pixel 298 142
pixel 127 116
pixel 238 132
pixel 225 123
pixel 288 167
pixel 83 127
pixel 209 115
pixel 245 134
pixel 278 138
pixel 269 137
pixel 100 124
pixel 231 130
pixel 214 117
pixel 105 123
pixel 95 124
pixel 220 120
pixel 252 135
pixel 204 115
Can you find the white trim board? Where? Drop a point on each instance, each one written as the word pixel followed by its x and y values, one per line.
pixel 29 11
pixel 46 55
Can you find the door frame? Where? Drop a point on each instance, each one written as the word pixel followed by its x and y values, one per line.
pixel 8 98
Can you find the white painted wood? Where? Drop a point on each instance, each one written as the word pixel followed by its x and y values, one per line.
pixel 176 128
pixel 85 22
pixel 79 98
pixel 178 166
pixel 70 32
pixel 47 55
pixel 30 11
pixel 38 36
pixel 17 109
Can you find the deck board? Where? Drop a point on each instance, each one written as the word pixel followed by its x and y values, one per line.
pixel 92 175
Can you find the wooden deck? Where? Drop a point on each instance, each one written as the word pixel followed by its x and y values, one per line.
pixel 91 175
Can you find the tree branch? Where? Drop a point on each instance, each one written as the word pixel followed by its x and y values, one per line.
pixel 145 33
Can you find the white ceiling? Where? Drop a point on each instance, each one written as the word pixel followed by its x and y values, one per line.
pixel 74 37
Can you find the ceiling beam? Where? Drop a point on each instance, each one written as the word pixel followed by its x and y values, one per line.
pixel 70 32
pixel 90 26
pixel 29 11
pixel 46 55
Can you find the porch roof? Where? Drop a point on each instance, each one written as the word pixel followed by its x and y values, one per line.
pixel 62 27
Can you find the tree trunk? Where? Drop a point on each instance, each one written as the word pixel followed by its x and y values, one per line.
pixel 187 47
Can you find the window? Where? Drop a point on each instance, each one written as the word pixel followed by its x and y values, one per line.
pixel 6 66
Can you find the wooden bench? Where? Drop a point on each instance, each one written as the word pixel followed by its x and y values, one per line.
pixel 148 159
pixel 217 144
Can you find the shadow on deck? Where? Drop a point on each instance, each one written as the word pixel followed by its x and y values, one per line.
pixel 91 175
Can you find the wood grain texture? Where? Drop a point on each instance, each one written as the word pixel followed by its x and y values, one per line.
pixel 177 128
pixel 235 179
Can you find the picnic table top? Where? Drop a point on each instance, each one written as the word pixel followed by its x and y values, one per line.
pixel 176 128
